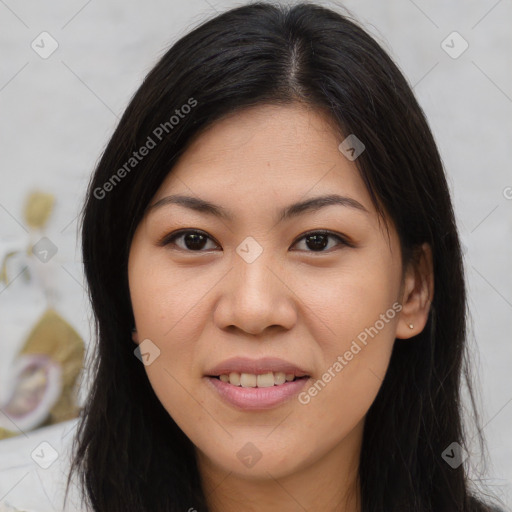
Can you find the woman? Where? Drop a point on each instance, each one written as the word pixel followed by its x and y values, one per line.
pixel 271 226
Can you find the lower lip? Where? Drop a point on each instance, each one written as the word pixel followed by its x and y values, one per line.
pixel 257 399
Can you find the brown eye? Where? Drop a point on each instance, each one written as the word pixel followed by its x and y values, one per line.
pixel 317 241
pixel 192 240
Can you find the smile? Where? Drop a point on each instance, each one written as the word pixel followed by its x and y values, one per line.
pixel 264 380
pixel 253 397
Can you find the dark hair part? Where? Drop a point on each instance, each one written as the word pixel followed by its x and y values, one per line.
pixel 129 453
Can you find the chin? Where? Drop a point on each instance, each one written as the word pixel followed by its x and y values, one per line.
pixel 258 460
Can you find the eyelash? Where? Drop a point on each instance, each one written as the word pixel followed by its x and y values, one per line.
pixel 170 238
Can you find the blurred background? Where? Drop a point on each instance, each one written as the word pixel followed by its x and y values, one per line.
pixel 67 72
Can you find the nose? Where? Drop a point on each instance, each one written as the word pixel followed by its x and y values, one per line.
pixel 255 297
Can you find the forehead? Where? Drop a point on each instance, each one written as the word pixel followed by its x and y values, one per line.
pixel 264 155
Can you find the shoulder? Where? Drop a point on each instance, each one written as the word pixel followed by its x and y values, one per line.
pixel 36 466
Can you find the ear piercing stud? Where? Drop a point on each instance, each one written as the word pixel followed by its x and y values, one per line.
pixel 411 326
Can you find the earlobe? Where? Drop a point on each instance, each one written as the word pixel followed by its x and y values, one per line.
pixel 418 292
pixel 135 336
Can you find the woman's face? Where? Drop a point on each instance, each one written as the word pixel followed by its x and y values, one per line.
pixel 254 286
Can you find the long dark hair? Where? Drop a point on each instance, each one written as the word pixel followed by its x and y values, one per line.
pixel 129 453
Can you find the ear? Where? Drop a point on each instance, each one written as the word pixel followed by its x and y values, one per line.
pixel 417 293
pixel 135 336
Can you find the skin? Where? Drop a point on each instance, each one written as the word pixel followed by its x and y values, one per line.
pixel 202 306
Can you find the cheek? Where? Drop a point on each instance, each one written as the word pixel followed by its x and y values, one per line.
pixel 164 312
pixel 166 298
pixel 167 303
pixel 356 314
pixel 348 301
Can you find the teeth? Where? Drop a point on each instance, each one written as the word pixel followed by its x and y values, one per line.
pixel 250 380
pixel 234 378
pixel 265 380
pixel 279 378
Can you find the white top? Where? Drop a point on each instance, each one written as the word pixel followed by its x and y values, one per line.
pixel 34 469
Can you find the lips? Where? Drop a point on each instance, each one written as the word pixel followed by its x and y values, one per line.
pixel 253 399
pixel 256 367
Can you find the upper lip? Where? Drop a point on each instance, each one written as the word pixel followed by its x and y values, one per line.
pixel 255 366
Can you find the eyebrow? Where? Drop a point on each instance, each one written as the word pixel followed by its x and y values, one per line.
pixel 293 210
